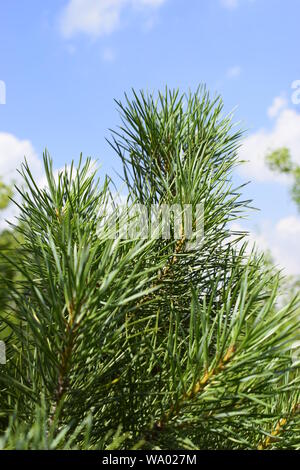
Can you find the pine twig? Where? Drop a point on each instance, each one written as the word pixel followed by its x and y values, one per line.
pixel 198 387
pixel 279 429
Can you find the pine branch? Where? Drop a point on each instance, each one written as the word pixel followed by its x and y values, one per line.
pixel 279 429
pixel 117 343
pixel 198 387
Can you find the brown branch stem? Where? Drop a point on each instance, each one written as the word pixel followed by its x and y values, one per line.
pixel 197 388
pixel 279 428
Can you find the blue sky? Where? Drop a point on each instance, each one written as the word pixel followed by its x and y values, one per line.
pixel 64 62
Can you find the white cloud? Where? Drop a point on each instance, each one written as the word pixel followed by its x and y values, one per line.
pixel 279 103
pixel 234 72
pixel 98 17
pixel 281 239
pixel 289 226
pixel 285 133
pixel 12 153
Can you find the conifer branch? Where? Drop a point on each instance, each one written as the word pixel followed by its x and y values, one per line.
pixel 279 429
pixel 197 388
pixel 106 336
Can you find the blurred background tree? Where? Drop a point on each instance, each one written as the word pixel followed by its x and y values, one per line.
pixel 280 161
pixel 7 244
pixel 5 195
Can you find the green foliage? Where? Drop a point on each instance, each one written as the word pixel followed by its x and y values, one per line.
pixel 5 195
pixel 145 343
pixel 7 272
pixel 280 161
pixel 295 190
pixel 7 245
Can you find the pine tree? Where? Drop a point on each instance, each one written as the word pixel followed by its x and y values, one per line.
pixel 136 343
